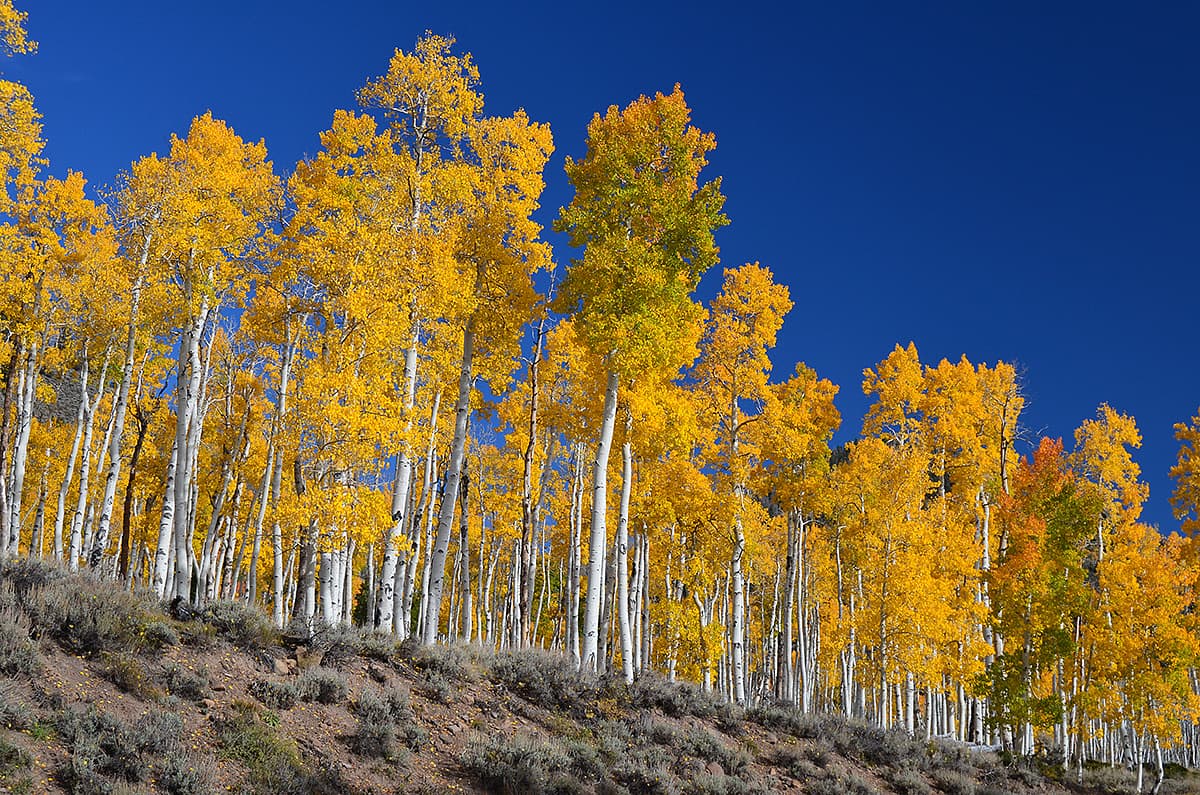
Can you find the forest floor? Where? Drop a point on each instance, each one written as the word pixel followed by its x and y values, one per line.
pixel 102 691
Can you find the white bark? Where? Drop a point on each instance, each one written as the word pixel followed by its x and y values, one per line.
pixel 441 546
pixel 623 558
pixel 400 488
pixel 114 443
pixel 187 391
pixel 599 535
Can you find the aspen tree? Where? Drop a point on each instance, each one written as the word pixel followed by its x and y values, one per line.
pixel 209 200
pixel 646 227
pixel 733 370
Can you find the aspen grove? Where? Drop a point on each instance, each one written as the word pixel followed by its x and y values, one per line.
pixel 364 392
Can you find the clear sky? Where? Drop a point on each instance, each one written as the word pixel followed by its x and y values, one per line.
pixel 1015 181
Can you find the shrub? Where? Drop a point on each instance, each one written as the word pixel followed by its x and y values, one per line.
pixel 338 643
pixel 953 782
pixel 1102 778
pixel 101 747
pixel 159 634
pixel 710 784
pixel 519 765
pixel 197 635
pixel 850 784
pixel 546 679
pixel 14 714
pixel 798 763
pixel 890 747
pixel 242 624
pixel 25 574
pixel 183 774
pixel 273 762
pixel 158 732
pixel 12 757
pixel 647 770
pixel 438 687
pixel 276 695
pixel 908 781
pixel 385 716
pixel 456 662
pixel 706 746
pixel 323 685
pixel 87 616
pixel 18 654
pixel 654 691
pixel 129 675
pixel 179 681
pixel 806 726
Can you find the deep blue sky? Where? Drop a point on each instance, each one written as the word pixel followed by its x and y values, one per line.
pixel 1010 181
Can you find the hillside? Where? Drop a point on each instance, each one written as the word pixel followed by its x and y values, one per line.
pixel 104 692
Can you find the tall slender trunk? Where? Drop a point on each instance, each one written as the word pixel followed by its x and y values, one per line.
pixel 85 468
pixel 29 380
pixel 68 477
pixel 11 382
pixel 400 488
pixel 738 629
pixel 599 534
pixel 464 543
pixel 165 547
pixel 441 546
pixel 114 442
pixel 143 423
pixel 187 392
pixel 278 597
pixel 527 517
pixel 402 619
pixel 623 553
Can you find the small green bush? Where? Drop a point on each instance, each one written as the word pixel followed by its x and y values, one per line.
pixel 652 690
pixel 159 635
pixel 18 654
pixel 14 714
pixel 273 761
pixel 87 616
pixel 953 782
pixel 323 685
pixel 242 624
pixel 520 765
pixel 276 695
pixel 129 675
pixel 385 716
pixel 546 679
pixel 183 774
pixel 908 781
pixel 179 681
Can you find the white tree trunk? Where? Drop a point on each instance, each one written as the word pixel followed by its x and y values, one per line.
pixel 623 558
pixel 162 554
pixel 187 391
pixel 400 489
pixel 29 379
pixel 441 546
pixel 114 443
pixel 599 534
